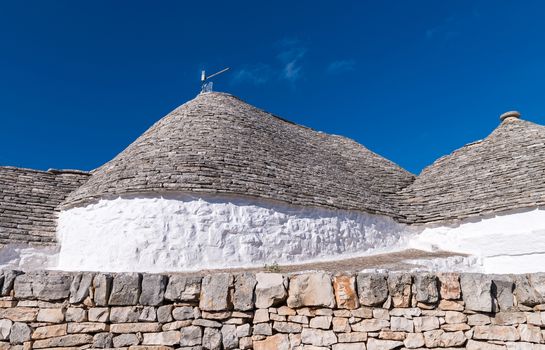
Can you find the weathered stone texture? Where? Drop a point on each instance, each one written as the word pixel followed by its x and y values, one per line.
pixel 29 201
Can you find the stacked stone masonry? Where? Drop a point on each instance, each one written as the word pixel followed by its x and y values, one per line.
pixel 309 311
pixel 29 201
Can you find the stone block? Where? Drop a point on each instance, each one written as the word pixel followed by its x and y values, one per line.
pixel 164 313
pixel 215 292
pixel 70 340
pixel 229 337
pixel 99 314
pixel 182 288
pixel 318 337
pixel 311 289
pixel 502 291
pixel 401 324
pixel 400 289
pixel 20 333
pixel 125 340
pixel 477 292
pixel 371 325
pixel 243 297
pixel 372 289
pixel 19 314
pixel 8 281
pixel 345 292
pixel 275 342
pixel 376 344
pixel 125 289
pixel 43 285
pixel 103 340
pixel 80 287
pixel 87 327
pixel 153 289
pixel 102 286
pixel 425 285
pixel 50 315
pixel 493 332
pixel 162 338
pixel 5 329
pixel 449 285
pixel 191 336
pixel 211 338
pixel 50 331
pixel 270 290
pixel 414 341
pixel 125 314
pixel 75 314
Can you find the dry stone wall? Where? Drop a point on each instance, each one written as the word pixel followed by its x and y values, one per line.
pixel 309 311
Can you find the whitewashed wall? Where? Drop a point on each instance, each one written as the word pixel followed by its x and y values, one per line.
pixel 188 233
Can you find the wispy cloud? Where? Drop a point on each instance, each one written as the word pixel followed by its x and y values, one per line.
pixel 449 28
pixel 341 66
pixel 257 74
pixel 288 65
pixel 291 59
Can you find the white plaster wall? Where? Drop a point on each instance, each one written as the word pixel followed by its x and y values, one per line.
pixel 25 257
pixel 513 242
pixel 190 233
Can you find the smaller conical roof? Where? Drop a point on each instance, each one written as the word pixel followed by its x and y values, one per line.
pixel 217 143
pixel 502 172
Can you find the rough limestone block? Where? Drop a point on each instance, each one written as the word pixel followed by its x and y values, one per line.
pixel 153 289
pixel 311 289
pixel 103 340
pixel 102 286
pixel 494 332
pixel 64 341
pixel 414 340
pixel 502 290
pixel 5 329
pixel 20 332
pixel 477 292
pixel 43 285
pixel 162 338
pixel 215 292
pixel 211 338
pixel 270 290
pixel 276 342
pixel 399 287
pixel 318 337
pixel 352 346
pixel 426 291
pixel 191 336
pixel 125 314
pixel 75 314
pixel 99 314
pixel 164 313
pixel 50 331
pixel 243 298
pixel 345 292
pixel 148 314
pixel 50 315
pixel 376 344
pixel 449 283
pixel 79 289
pixel 125 289
pixel 125 340
pixel 8 281
pixel 229 336
pixel 182 288
pixel 372 288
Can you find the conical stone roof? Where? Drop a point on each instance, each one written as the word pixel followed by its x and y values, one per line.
pixel 505 171
pixel 218 144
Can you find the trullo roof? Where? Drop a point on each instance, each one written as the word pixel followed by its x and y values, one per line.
pixel 505 171
pixel 217 143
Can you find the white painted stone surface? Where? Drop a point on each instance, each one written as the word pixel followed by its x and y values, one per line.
pixel 188 233
pixel 513 242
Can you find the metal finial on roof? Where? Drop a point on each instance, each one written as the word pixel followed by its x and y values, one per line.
pixel 510 114
pixel 206 84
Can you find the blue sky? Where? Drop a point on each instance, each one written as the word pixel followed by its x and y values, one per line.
pixel 410 80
